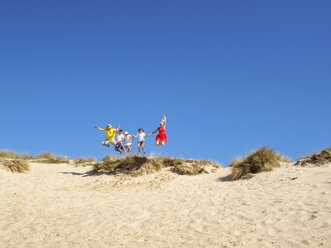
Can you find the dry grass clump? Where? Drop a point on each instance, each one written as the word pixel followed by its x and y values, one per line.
pixel 263 159
pixel 14 155
pixel 191 167
pixel 135 165
pixel 84 161
pixel 50 158
pixel 319 158
pixel 9 154
pixel 15 165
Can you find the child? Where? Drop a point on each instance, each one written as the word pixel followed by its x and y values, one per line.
pixel 110 135
pixel 141 140
pixel 119 145
pixel 128 139
pixel 161 137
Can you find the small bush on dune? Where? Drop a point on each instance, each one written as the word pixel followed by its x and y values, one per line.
pixel 136 165
pixel 15 165
pixel 319 158
pixel 50 158
pixel 263 159
pixel 133 165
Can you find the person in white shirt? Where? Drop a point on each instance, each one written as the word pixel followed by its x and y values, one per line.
pixel 119 145
pixel 128 139
pixel 141 140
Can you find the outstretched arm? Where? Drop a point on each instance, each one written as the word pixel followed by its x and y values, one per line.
pixel 99 128
pixel 118 128
pixel 152 133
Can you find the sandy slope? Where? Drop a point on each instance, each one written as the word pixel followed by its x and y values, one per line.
pixel 63 206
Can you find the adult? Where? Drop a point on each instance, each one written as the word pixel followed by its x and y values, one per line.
pixel 161 138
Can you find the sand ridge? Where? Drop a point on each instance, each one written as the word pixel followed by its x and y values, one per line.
pixel 65 206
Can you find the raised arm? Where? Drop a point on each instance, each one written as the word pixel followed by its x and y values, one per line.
pixel 99 128
pixel 118 128
pixel 164 120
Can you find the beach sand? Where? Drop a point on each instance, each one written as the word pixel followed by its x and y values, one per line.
pixel 65 206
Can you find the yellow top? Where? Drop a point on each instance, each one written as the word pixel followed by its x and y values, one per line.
pixel 110 133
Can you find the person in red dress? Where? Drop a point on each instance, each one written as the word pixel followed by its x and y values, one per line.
pixel 161 138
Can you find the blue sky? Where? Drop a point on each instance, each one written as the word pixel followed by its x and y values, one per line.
pixel 229 75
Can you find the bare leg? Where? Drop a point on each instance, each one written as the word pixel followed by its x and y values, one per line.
pixel 138 148
pixel 157 143
pixel 143 146
pixel 162 143
pixel 106 145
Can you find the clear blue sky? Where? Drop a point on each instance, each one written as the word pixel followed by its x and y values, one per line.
pixel 230 75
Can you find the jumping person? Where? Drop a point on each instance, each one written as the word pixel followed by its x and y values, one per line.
pixel 119 145
pixel 128 139
pixel 141 140
pixel 110 135
pixel 161 138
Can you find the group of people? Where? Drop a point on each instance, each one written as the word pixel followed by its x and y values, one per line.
pixel 119 145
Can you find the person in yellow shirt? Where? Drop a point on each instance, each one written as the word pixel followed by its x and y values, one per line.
pixel 110 131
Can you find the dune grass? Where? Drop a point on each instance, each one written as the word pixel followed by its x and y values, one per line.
pixel 84 161
pixel 14 155
pixel 318 158
pixel 136 165
pixel 50 158
pixel 15 165
pixel 263 159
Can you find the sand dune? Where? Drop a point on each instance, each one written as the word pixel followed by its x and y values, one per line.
pixel 65 206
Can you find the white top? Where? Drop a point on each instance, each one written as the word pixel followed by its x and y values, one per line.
pixel 128 139
pixel 120 137
pixel 141 136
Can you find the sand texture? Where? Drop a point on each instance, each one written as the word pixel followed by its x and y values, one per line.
pixel 65 206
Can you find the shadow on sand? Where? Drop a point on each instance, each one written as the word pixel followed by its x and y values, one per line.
pixel 225 179
pixel 87 174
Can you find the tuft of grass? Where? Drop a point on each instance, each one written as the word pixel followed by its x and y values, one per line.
pixel 9 154
pixel 135 165
pixel 84 161
pixel 235 162
pixel 318 158
pixel 263 159
pixel 14 155
pixel 189 168
pixel 26 156
pixel 50 158
pixel 15 165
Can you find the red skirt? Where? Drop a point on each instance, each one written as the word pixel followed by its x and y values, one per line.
pixel 161 137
